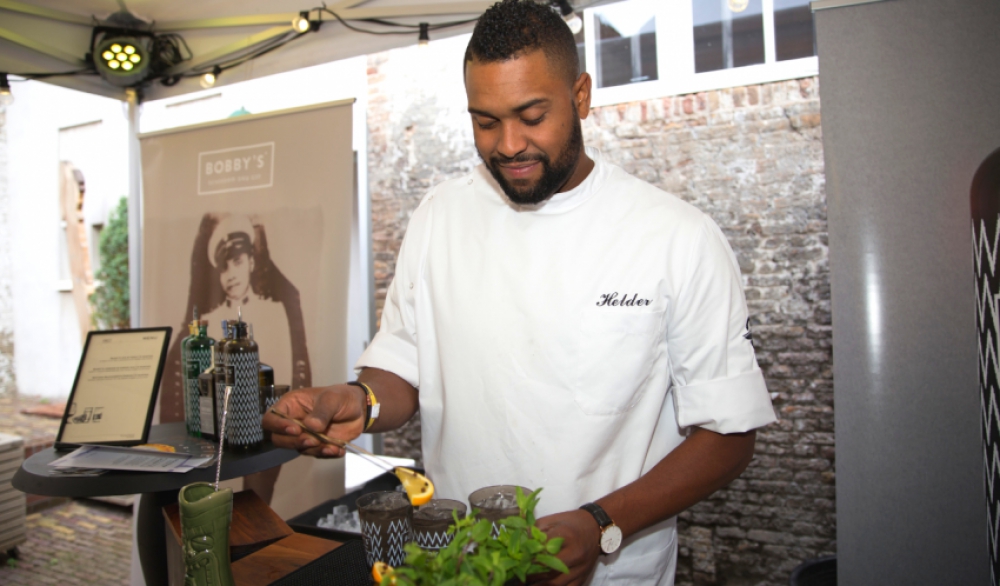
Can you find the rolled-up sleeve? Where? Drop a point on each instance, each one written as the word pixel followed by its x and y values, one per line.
pixel 717 384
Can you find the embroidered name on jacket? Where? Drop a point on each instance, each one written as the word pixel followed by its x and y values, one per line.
pixel 612 300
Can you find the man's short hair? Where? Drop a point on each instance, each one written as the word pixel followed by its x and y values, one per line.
pixel 511 28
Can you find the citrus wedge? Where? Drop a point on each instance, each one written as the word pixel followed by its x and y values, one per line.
pixel 157 447
pixel 417 486
pixel 381 570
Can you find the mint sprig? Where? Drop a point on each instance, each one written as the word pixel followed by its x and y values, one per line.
pixel 476 558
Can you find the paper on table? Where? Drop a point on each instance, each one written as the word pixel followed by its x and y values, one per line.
pixel 115 458
pixel 358 470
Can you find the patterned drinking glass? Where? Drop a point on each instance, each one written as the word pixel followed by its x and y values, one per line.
pixel 496 503
pixel 431 522
pixel 386 525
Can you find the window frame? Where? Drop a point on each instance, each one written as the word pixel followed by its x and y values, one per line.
pixel 675 58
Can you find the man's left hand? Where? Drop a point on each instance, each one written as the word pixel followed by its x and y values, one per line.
pixel 580 550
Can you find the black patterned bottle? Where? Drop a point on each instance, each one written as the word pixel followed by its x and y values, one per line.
pixel 198 357
pixel 986 248
pixel 243 430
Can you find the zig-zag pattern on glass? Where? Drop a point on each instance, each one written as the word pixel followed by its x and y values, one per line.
pixel 432 540
pixel 396 535
pixel 985 247
pixel 373 543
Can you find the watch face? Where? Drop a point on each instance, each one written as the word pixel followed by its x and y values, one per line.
pixel 611 539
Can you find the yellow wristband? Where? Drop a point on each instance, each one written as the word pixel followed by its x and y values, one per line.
pixel 371 403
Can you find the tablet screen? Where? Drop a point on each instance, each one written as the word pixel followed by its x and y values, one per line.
pixel 115 388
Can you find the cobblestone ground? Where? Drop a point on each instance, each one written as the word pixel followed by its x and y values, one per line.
pixel 78 542
pixel 32 428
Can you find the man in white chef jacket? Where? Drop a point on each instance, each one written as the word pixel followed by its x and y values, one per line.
pixel 559 324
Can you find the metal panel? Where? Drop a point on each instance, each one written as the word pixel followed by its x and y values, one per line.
pixel 911 106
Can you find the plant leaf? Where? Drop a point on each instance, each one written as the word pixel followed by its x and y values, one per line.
pixel 554 545
pixel 552 562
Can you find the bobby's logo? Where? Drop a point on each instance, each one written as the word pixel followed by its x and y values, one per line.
pixel 612 300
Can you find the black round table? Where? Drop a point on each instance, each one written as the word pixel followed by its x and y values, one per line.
pixel 158 489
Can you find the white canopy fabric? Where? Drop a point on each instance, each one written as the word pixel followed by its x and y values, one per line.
pixel 39 36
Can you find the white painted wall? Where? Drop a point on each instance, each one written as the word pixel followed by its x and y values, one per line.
pixel 46 334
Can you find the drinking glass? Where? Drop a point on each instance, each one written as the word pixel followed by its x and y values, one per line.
pixel 386 525
pixel 496 503
pixel 431 522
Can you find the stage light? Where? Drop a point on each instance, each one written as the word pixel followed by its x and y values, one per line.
pixel 301 23
pixel 6 97
pixel 425 37
pixel 208 80
pixel 573 21
pixel 122 61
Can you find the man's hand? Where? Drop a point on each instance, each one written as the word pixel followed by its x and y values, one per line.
pixel 580 550
pixel 337 411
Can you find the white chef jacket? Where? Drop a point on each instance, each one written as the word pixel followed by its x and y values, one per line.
pixel 568 345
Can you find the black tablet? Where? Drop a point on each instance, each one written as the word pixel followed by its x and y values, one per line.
pixel 115 389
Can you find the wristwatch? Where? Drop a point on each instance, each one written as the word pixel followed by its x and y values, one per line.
pixel 611 535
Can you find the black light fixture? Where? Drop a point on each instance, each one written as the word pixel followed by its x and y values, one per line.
pixel 122 60
pixel 425 36
pixel 121 49
pixel 573 21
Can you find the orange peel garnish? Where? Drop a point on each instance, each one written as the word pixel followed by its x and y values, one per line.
pixel 381 570
pixel 417 486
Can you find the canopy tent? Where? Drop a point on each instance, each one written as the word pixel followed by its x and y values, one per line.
pixel 54 36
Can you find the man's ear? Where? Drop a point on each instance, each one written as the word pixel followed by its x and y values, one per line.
pixel 581 95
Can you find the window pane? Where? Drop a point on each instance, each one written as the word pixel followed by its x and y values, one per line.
pixel 581 49
pixel 626 44
pixel 794 35
pixel 727 34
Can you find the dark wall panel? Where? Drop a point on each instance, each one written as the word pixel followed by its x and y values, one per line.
pixel 911 105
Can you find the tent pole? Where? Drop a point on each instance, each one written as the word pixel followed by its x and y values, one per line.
pixel 134 207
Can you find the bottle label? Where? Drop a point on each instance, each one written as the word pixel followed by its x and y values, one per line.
pixel 205 408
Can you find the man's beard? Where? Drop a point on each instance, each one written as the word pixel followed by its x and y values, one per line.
pixel 554 175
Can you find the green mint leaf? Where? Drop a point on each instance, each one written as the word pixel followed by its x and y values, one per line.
pixel 554 545
pixel 552 562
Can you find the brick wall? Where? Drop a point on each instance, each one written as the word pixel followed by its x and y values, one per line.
pixel 752 159
pixel 7 379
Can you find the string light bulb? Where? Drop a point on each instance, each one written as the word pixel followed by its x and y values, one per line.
pixel 425 36
pixel 208 80
pixel 738 5
pixel 6 96
pixel 301 23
